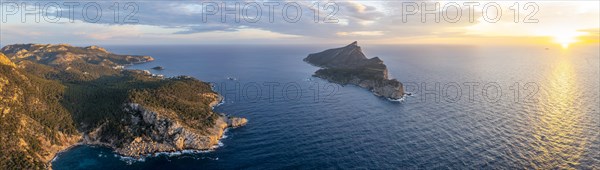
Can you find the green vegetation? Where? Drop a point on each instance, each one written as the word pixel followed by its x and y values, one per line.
pixel 61 91
pixel 180 95
pixel 345 76
pixel 30 110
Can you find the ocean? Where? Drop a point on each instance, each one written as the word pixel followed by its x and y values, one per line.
pixel 471 107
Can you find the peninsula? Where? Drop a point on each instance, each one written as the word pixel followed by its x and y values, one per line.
pixel 53 97
pixel 348 65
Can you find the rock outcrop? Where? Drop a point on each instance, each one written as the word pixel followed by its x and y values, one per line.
pixel 349 65
pixel 161 133
pixel 236 121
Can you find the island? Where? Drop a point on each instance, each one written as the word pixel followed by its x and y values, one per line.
pixel 348 65
pixel 53 97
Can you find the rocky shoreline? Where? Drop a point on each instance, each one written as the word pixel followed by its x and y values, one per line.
pixel 140 148
pixel 348 65
pixel 142 151
pixel 59 96
pixel 389 89
pixel 175 136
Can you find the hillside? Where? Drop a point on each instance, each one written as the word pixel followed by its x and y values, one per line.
pixel 52 98
pixel 33 123
pixel 64 54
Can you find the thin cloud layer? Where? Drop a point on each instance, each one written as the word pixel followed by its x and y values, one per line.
pixel 281 21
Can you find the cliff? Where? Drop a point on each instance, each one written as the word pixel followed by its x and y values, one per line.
pixel 55 96
pixel 349 65
pixel 164 119
pixel 157 132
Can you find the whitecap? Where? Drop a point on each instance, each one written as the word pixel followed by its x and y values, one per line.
pixel 131 160
pixel 225 133
pixel 55 158
pixel 396 100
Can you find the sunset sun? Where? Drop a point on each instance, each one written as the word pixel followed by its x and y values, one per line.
pixel 567 38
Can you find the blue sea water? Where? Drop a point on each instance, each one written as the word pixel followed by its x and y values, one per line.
pixel 472 107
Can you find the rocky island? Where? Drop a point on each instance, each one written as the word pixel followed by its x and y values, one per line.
pixel 158 68
pixel 53 97
pixel 348 65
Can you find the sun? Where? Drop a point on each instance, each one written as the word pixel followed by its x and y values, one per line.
pixel 567 38
pixel 564 40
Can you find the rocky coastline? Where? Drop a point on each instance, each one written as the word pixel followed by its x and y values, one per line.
pixel 183 141
pixel 166 135
pixel 348 65
pixel 133 112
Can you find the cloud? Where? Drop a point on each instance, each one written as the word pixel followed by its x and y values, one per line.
pixel 184 21
pixel 360 33
pixel 286 17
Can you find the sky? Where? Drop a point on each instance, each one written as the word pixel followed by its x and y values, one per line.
pixel 299 22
